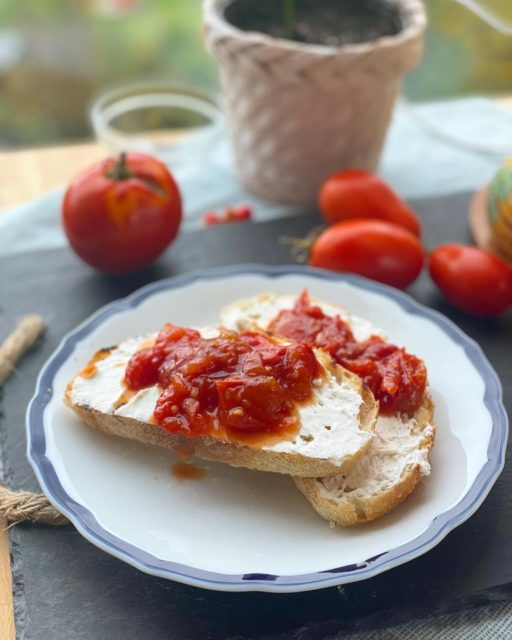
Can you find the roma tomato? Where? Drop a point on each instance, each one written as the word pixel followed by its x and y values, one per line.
pixel 355 193
pixel 472 280
pixel 377 250
pixel 120 214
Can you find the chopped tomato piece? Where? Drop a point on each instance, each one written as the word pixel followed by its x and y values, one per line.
pixel 396 378
pixel 231 385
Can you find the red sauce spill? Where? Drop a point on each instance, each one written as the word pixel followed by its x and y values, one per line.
pixel 184 448
pixel 237 386
pixel 396 378
pixel 125 397
pixel 91 368
pixel 187 471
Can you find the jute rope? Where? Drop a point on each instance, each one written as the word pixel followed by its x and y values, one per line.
pixel 22 506
pixel 23 337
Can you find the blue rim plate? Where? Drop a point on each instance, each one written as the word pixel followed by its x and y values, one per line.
pixel 87 524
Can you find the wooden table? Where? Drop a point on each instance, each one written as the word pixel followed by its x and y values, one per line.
pixel 25 175
pixel 29 173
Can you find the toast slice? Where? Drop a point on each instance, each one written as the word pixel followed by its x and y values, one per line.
pixel 259 312
pixel 398 458
pixel 336 428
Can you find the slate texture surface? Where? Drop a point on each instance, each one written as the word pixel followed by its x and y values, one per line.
pixel 67 589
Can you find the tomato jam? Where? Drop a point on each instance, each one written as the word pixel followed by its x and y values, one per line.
pixel 237 386
pixel 396 378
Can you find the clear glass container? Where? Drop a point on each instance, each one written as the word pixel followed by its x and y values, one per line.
pixel 173 122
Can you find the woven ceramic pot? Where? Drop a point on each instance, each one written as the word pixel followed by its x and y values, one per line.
pixel 299 112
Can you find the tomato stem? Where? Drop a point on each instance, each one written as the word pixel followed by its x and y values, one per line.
pixel 300 248
pixel 120 169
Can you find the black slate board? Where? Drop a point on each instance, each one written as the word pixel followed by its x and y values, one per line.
pixel 67 589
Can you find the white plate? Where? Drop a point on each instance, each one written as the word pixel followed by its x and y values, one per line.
pixel 241 530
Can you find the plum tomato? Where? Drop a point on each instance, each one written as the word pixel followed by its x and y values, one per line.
pixel 355 193
pixel 122 213
pixel 473 280
pixel 377 250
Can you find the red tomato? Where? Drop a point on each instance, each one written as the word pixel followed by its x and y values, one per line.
pixel 474 281
pixel 377 250
pixel 358 194
pixel 120 214
pixel 240 213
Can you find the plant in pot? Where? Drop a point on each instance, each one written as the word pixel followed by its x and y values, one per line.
pixel 310 85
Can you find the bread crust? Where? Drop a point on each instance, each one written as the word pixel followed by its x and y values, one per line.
pixel 363 510
pixel 235 454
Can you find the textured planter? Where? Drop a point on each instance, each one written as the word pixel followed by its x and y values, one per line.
pixel 298 112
